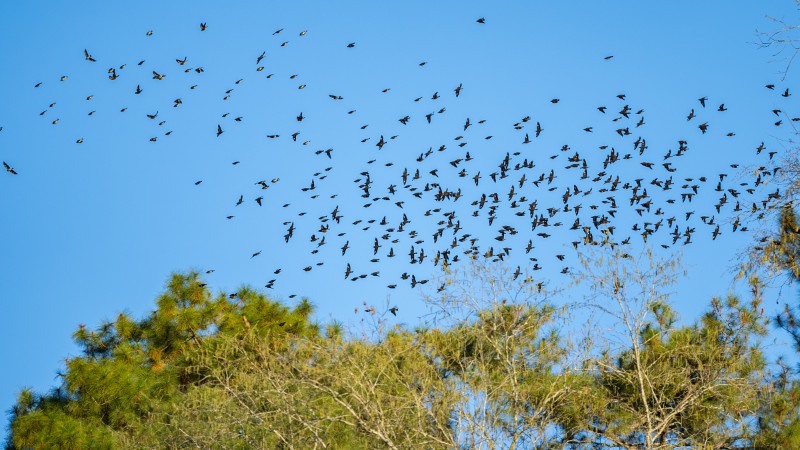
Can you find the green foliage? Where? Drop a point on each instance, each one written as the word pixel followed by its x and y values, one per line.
pixel 132 370
pixel 780 423
pixel 683 386
pixel 242 371
pixel 782 252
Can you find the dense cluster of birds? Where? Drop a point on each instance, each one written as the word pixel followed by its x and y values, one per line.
pixel 433 208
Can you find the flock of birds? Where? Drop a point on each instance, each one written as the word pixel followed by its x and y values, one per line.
pixel 434 208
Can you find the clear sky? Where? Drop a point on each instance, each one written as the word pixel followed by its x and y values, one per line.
pixel 95 228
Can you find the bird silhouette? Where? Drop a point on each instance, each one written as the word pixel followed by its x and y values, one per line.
pixel 9 169
pixel 443 204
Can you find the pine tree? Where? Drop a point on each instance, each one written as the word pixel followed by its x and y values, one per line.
pixel 131 371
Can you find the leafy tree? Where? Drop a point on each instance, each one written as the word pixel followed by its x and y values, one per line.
pixel 496 366
pixel 131 370
pixel 313 392
pixel 497 345
pixel 660 385
pixel 782 255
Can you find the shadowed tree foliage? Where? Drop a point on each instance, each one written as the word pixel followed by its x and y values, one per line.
pixel 657 384
pixel 693 386
pixel 782 254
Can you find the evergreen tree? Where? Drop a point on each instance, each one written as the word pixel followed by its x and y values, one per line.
pixel 131 370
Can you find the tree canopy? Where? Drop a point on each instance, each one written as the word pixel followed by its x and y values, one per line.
pixel 495 369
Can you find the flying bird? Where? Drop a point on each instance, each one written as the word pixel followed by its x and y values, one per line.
pixel 9 169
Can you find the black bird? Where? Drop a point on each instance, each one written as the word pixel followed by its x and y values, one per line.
pixel 203 26
pixel 9 169
pixel 219 130
pixel 481 20
pixel 347 271
pixel 88 56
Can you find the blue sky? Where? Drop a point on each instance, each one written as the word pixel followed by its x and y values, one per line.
pixel 96 228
